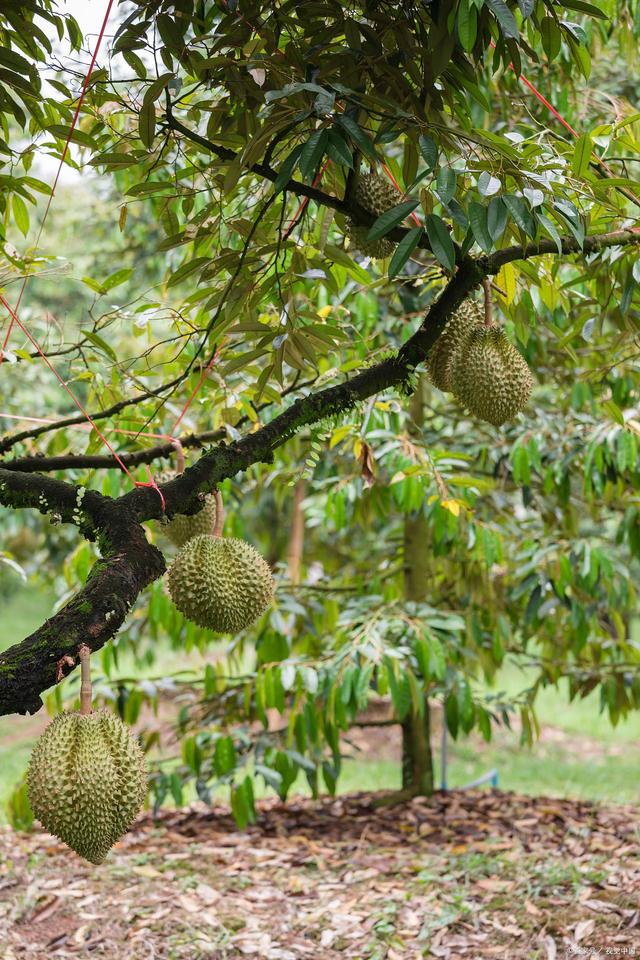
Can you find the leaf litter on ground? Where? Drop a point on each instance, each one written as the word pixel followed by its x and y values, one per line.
pixel 461 876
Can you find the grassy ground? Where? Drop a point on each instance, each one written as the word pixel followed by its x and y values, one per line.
pixel 579 755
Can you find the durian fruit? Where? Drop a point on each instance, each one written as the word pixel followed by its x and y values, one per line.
pixel 442 356
pixel 87 781
pixel 220 583
pixel 183 528
pixel 377 195
pixel 490 376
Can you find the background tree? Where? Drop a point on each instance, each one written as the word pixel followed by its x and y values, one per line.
pixel 230 139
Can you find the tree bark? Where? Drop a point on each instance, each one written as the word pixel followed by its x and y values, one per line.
pixel 296 535
pixel 417 758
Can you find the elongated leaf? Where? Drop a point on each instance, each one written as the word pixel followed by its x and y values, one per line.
pixel 478 221
pixel 338 149
pixel 548 225
pixel 429 151
pixel 358 136
pixel 446 183
pixel 582 156
pixel 20 214
pixel 467 24
pixel 521 214
pixel 404 250
pixel 147 123
pixel 440 241
pixel 287 169
pixel 391 218
pixel 98 341
pixel 312 153
pixel 505 18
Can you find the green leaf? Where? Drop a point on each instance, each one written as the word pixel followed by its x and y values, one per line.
pixel 446 183
pixel 551 37
pixel 358 136
pixel 429 151
pixel 440 241
pixel 117 278
pixel 154 89
pixel 224 756
pixel 312 153
pixel 20 214
pixel 496 218
pixel 548 225
pixel 147 123
pixel 404 250
pixel 467 24
pixel 505 18
pixel 97 341
pixel 521 214
pixel 391 218
pixel 582 156
pixel 338 149
pixel 478 221
pixel 287 168
pixel 584 7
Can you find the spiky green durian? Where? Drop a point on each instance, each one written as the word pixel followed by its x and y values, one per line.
pixel 491 377
pixel 377 195
pixel 220 583
pixel 87 781
pixel 183 528
pixel 442 356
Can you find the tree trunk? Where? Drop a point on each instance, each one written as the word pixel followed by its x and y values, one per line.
pixel 417 759
pixel 296 536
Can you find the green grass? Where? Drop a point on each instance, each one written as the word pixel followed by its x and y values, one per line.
pixel 604 772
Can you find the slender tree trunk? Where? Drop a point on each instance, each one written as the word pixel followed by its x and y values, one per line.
pixel 417 759
pixel 296 535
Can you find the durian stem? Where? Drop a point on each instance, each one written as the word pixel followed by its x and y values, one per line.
pixel 217 530
pixel 488 303
pixel 85 679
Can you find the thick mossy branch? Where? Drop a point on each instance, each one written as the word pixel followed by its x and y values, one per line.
pixel 129 563
pixel 93 616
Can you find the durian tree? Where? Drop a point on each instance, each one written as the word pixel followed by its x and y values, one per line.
pixel 378 290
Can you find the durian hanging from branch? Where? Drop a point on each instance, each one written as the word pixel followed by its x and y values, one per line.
pixel 474 360
pixel 86 778
pixel 183 527
pixel 220 583
pixel 376 195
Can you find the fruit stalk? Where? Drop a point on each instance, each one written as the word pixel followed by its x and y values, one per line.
pixel 85 679
pixel 488 303
pixel 217 530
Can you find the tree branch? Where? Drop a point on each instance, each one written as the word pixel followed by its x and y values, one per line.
pixel 94 615
pixel 130 563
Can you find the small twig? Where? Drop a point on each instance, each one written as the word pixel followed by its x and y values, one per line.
pixel 63 662
pixel 217 530
pixel 85 679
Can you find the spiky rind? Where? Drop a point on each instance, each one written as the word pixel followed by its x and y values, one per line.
pixel 87 781
pixel 377 195
pixel 442 356
pixel 377 249
pixel 183 528
pixel 491 377
pixel 220 583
